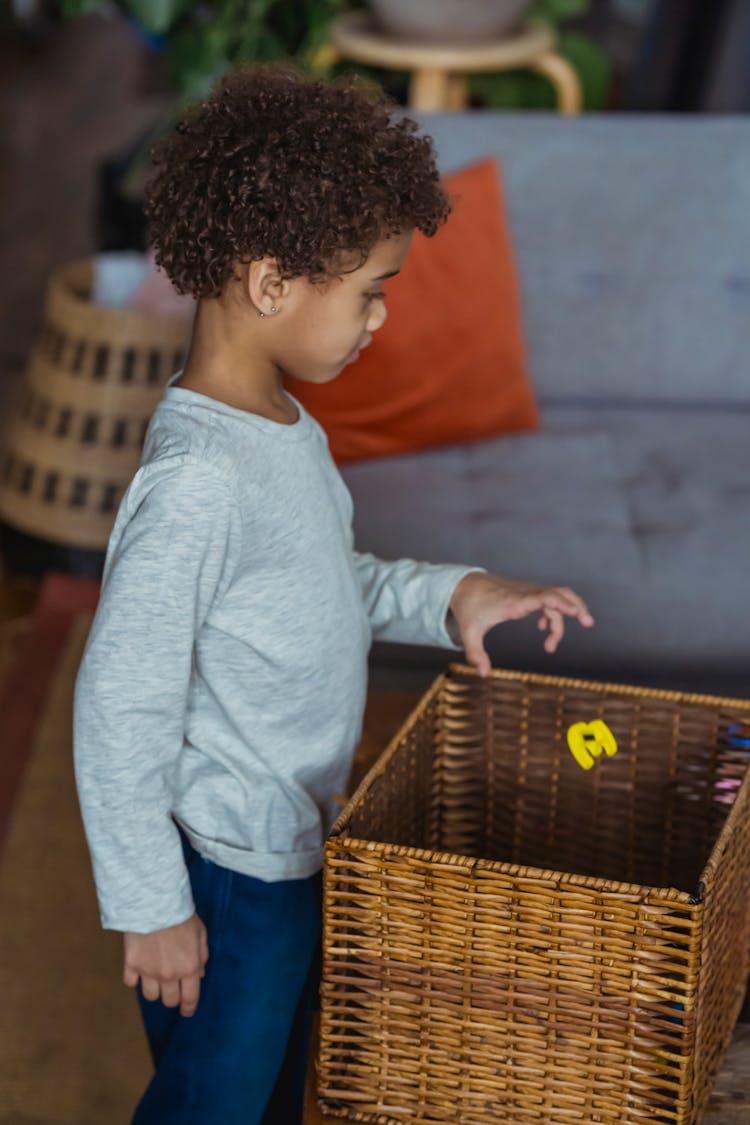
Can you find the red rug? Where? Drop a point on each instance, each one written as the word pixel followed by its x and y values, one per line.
pixel 25 687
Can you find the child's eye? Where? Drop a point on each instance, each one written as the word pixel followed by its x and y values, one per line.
pixel 375 296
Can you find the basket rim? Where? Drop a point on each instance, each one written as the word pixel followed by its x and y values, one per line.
pixel 64 296
pixel 337 840
pixel 640 892
pixel 384 758
pixel 674 696
pixel 737 811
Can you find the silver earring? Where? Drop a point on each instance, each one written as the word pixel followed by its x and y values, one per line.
pixel 273 310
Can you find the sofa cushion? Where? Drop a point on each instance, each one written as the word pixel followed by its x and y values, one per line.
pixel 449 363
pixel 643 512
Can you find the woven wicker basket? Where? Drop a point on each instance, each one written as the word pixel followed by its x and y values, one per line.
pixel 74 441
pixel 511 939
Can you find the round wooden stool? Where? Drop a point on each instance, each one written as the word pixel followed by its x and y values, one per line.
pixel 438 79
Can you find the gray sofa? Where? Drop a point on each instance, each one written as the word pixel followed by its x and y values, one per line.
pixel 632 240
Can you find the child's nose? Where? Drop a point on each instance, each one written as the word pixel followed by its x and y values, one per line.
pixel 378 316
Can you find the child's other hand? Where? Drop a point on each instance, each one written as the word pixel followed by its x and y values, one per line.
pixel 169 963
pixel 483 600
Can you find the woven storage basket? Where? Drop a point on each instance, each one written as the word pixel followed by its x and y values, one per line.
pixel 509 938
pixel 74 441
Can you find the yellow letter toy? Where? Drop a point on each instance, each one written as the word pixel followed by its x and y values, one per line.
pixel 587 740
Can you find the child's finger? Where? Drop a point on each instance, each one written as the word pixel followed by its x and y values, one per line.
pixel 129 977
pixel 190 988
pixel 150 988
pixel 475 651
pixel 571 603
pixel 170 993
pixel 556 629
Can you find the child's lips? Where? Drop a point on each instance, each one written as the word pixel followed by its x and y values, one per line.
pixel 354 356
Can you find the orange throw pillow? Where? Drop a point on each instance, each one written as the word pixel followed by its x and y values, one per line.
pixel 449 363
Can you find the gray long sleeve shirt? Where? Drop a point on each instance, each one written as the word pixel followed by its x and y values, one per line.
pixel 224 679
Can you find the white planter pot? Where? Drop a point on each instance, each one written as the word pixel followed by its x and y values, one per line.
pixel 449 21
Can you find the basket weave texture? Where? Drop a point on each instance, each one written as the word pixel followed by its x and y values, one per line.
pixel 74 440
pixel 509 938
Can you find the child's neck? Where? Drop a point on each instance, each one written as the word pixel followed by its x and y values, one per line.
pixel 225 362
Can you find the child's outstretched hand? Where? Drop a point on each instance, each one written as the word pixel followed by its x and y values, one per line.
pixel 483 600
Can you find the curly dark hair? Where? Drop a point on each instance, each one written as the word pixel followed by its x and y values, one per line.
pixel 278 164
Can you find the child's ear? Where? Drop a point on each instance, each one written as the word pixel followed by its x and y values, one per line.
pixel 265 286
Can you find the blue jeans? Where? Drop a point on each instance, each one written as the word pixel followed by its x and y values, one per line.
pixel 241 1059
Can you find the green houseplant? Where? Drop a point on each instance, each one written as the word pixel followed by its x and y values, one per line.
pixel 201 40
pixel 522 89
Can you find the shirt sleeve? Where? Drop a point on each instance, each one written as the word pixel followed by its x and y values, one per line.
pixel 174 546
pixel 408 601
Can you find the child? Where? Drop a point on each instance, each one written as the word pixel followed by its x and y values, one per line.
pixel 221 694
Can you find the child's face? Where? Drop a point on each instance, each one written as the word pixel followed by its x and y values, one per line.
pixel 322 328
